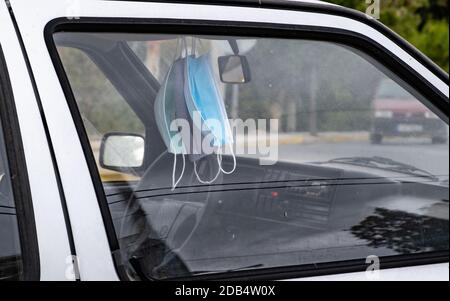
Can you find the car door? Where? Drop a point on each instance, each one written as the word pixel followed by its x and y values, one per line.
pixel 260 220
pixel 34 239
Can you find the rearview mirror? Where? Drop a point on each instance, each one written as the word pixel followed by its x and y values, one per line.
pixel 121 151
pixel 234 69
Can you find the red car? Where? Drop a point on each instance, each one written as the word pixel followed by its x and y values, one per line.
pixel 398 113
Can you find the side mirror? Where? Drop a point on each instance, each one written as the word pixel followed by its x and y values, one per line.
pixel 234 69
pixel 122 151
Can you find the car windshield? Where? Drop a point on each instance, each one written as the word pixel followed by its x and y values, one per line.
pixel 222 154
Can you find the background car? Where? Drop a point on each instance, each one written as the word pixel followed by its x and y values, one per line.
pixel 398 114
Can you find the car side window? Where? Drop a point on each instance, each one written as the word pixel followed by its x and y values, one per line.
pixel 287 152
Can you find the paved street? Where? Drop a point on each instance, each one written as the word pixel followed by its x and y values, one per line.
pixel 419 153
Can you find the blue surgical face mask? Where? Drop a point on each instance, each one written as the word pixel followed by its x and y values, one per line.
pixel 203 96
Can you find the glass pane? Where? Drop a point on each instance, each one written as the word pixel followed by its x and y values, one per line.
pixel 10 253
pixel 102 107
pixel 323 156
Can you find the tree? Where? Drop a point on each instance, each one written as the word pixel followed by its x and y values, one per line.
pixel 424 23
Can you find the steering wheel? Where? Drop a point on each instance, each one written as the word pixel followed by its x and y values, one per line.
pixel 169 240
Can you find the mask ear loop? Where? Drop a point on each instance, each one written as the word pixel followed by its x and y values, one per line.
pixel 179 49
pixel 194 47
pixel 184 47
pixel 176 182
pixel 203 181
pixel 234 161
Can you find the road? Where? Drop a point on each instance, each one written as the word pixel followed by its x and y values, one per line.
pixel 421 154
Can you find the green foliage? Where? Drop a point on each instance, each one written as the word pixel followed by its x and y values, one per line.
pixel 434 42
pixel 424 23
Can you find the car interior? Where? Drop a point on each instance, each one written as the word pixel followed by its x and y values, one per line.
pixel 259 217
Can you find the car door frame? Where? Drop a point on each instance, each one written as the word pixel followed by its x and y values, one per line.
pixel 104 17
pixel 44 236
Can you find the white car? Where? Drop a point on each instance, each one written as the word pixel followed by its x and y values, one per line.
pixel 92 187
